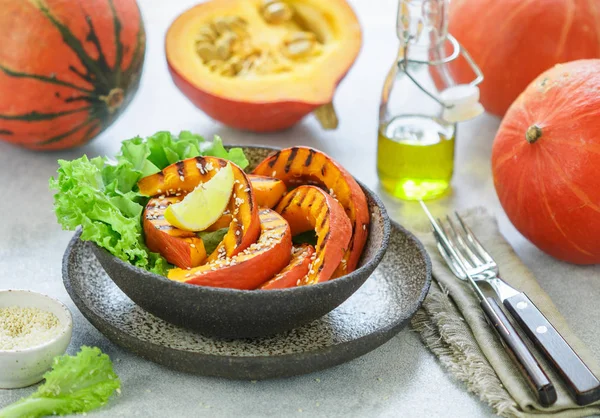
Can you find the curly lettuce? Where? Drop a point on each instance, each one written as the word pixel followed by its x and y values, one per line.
pixel 75 384
pixel 101 195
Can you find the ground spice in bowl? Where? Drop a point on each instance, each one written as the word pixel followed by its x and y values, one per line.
pixel 25 327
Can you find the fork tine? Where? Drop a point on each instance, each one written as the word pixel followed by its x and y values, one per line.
pixel 483 253
pixel 451 235
pixel 450 262
pixel 464 244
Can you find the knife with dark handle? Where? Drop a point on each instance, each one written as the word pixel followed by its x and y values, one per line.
pixel 581 382
pixel 530 368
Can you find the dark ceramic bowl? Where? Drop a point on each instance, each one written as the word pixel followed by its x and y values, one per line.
pixel 232 313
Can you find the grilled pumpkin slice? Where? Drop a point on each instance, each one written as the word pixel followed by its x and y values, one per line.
pixel 268 191
pixel 181 248
pixel 250 268
pixel 309 207
pixel 184 176
pixel 295 271
pixel 303 165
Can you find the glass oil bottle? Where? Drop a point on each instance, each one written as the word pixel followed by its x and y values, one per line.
pixel 421 103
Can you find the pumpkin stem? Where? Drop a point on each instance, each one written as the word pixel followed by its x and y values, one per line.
pixel 533 133
pixel 325 114
pixel 114 99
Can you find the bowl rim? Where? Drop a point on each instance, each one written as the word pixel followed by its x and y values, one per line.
pixel 67 326
pixel 262 292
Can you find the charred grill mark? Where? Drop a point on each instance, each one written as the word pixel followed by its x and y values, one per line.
pixel 308 160
pixel 202 162
pixel 274 159
pixel 311 199
pixel 238 234
pixel 323 169
pixel 321 267
pixel 320 206
pixel 290 160
pixel 180 168
pixel 249 195
pixel 323 222
pixel 301 200
pixel 285 208
pixel 222 162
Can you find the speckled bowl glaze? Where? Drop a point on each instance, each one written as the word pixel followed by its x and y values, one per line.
pixel 232 313
pixel 369 318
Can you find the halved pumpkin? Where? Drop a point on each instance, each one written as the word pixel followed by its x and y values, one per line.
pixel 311 208
pixel 268 191
pixel 181 248
pixel 250 268
pixel 295 271
pixel 300 165
pixel 185 175
pixel 263 65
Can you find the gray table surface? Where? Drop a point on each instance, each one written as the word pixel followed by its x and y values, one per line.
pixel 402 376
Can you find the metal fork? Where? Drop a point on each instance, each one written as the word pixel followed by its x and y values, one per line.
pixel 581 382
pixel 526 362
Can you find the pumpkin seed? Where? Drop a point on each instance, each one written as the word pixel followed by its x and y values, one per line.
pixel 207 32
pixel 298 49
pixel 302 36
pixel 277 12
pixel 206 51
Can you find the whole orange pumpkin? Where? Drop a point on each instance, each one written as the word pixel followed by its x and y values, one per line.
pixel 68 68
pixel 546 162
pixel 513 41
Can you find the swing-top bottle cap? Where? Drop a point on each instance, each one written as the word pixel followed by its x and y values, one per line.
pixel 461 103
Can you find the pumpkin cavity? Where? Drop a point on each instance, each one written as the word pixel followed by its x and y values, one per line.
pixel 278 41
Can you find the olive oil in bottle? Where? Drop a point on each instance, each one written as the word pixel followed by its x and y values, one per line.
pixel 415 156
pixel 421 104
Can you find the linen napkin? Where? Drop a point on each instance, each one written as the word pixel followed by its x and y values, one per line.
pixel 453 326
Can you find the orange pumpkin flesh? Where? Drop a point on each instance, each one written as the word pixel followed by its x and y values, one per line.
pixel 310 208
pixel 299 165
pixel 295 271
pixel 268 191
pixel 250 268
pixel 185 175
pixel 67 69
pixel 546 162
pixel 513 41
pixel 181 248
pixel 265 96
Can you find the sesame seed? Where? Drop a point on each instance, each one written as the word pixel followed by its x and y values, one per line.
pixel 193 245
pixel 181 178
pixel 364 227
pixel 274 174
pixel 237 232
pixel 158 191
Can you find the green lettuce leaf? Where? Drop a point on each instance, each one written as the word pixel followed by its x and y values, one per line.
pixel 212 239
pixel 101 194
pixel 75 384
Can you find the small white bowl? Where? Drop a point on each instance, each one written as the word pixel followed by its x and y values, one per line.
pixel 24 367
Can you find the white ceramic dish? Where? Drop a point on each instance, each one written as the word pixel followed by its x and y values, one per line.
pixel 24 367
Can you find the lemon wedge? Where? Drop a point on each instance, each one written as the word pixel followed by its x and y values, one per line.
pixel 205 204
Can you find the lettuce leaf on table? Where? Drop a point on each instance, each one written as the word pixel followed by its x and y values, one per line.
pixel 75 384
pixel 101 195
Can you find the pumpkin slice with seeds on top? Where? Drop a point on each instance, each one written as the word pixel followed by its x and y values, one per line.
pixel 181 248
pixel 184 176
pixel 295 271
pixel 311 208
pixel 250 268
pixel 304 165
